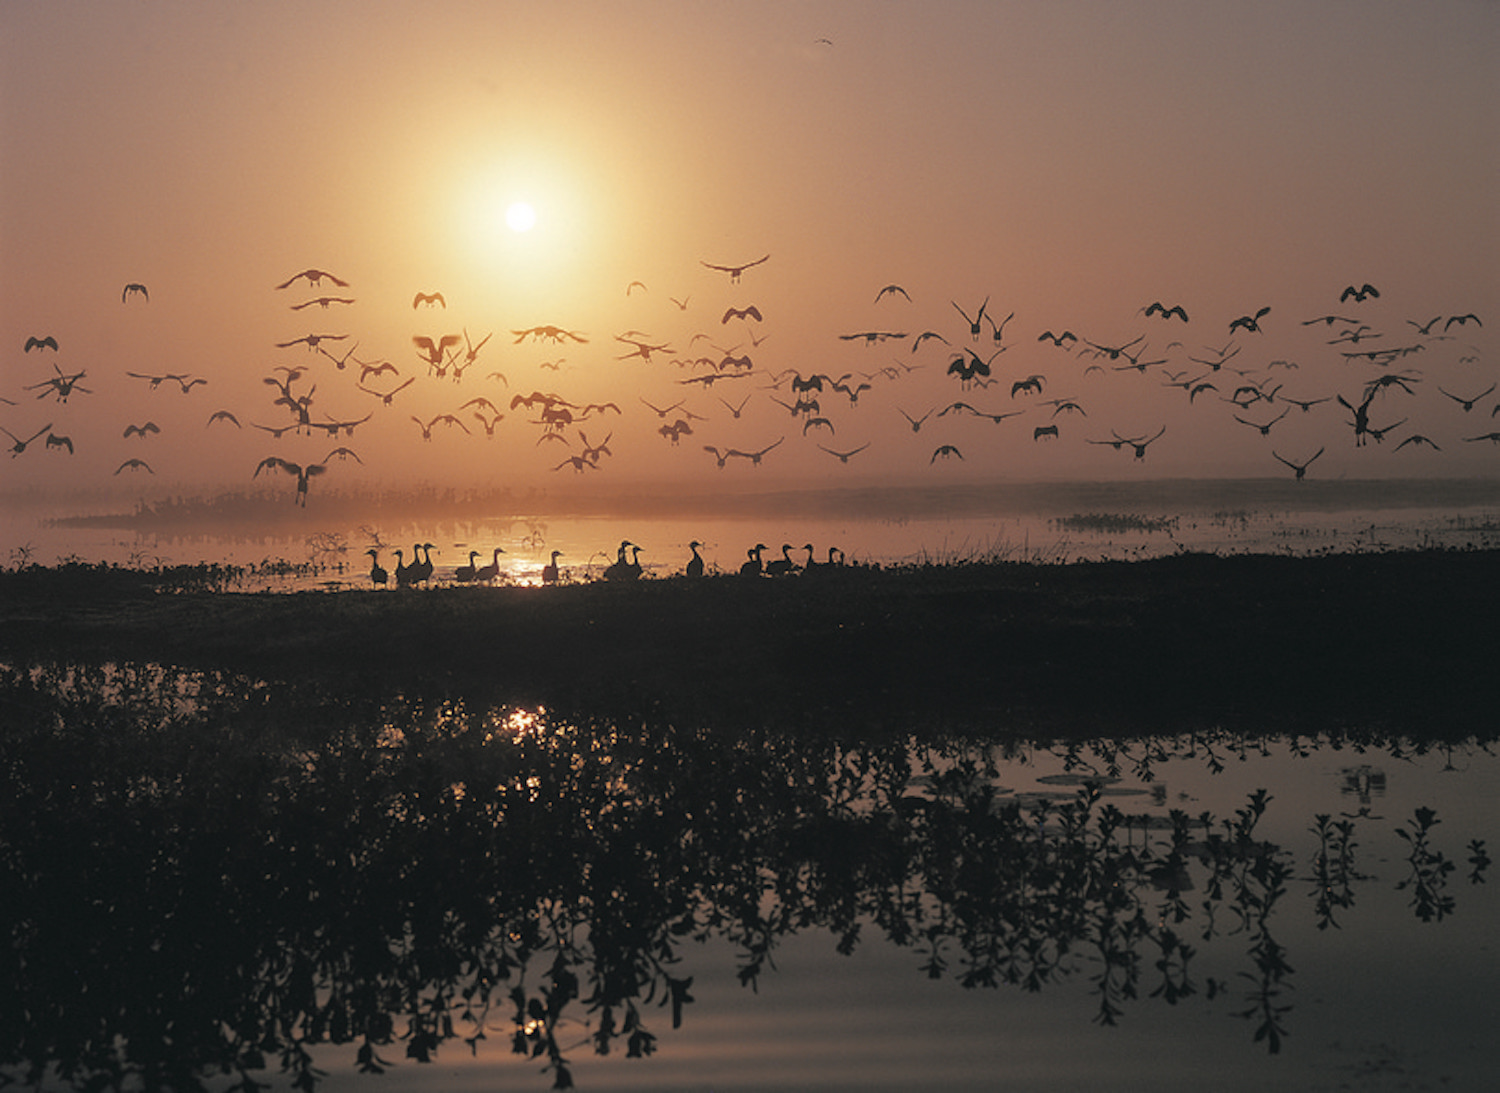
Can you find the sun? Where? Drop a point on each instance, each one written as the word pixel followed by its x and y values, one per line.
pixel 520 216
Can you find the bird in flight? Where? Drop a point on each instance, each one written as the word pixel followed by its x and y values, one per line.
pixel 974 321
pixel 892 290
pixel 314 278
pixel 434 351
pixel 20 445
pixel 323 302
pixel 735 271
pixel 751 312
pixel 1358 295
pixel 1159 308
pixel 844 457
pixel 1463 320
pixel 428 298
pixel 142 431
pixel 55 441
pixel 1299 469
pixel 1249 323
pixel 49 342
pixel 134 287
pixel 944 451
pixel 135 465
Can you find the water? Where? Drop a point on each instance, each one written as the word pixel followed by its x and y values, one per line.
pixel 1045 522
pixel 271 863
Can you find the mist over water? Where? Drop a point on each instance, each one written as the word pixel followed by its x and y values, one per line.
pixel 1052 522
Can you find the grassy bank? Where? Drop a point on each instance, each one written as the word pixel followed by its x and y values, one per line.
pixel 1399 639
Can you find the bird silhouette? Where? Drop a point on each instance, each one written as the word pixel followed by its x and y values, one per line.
pixel 695 563
pixel 915 422
pixel 314 278
pixel 975 321
pixel 783 566
pixel 323 302
pixel 1418 439
pixel 844 457
pixel 48 342
pixel 1044 431
pixel 55 441
pixel 550 572
pixel 435 352
pixel 625 569
pixel 134 288
pixel 1299 469
pixel 754 457
pixel 1249 323
pixel 223 415
pixel 1359 295
pixel 142 431
pixel 464 574
pixel 428 298
pixel 1062 339
pixel 735 271
pixel 1463 320
pixel 302 473
pixel 753 566
pixel 135 465
pixel 945 451
pixel 1467 403
pixel 378 575
pixel 751 312
pixel 892 290
pixel 1159 308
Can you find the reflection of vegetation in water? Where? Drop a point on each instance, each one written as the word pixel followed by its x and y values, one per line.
pixel 1113 522
pixel 206 874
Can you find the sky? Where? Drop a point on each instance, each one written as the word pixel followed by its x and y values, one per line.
pixel 1065 165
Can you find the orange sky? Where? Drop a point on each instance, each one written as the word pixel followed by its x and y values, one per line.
pixel 1070 163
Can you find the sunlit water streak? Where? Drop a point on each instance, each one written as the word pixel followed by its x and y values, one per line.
pixel 1058 524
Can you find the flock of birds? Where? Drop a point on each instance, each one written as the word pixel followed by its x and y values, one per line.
pixel 714 391
pixel 421 570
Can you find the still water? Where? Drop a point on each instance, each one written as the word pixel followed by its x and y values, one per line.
pixel 1038 522
pixel 214 875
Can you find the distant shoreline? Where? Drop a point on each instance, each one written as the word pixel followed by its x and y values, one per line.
pixel 264 506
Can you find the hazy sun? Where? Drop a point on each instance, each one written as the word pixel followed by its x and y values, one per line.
pixel 520 216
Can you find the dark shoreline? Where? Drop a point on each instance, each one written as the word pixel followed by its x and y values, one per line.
pixel 1400 640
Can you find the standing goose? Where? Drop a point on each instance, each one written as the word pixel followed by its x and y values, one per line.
pixel 464 574
pixel 783 565
pixel 403 572
pixel 486 574
pixel 421 566
pixel 378 575
pixel 695 565
pixel 549 571
pixel 753 567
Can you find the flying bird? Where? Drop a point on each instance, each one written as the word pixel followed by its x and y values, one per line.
pixel 1358 295
pixel 944 451
pixel 1249 323
pixel 323 302
pixel 974 321
pixel 1300 469
pixel 314 278
pixel 134 287
pixel 1463 320
pixel 735 271
pixel 135 465
pixel 55 441
pixel 223 415
pixel 49 342
pixel 891 290
pixel 428 298
pixel 751 312
pixel 142 431
pixel 1159 308
pixel 844 457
